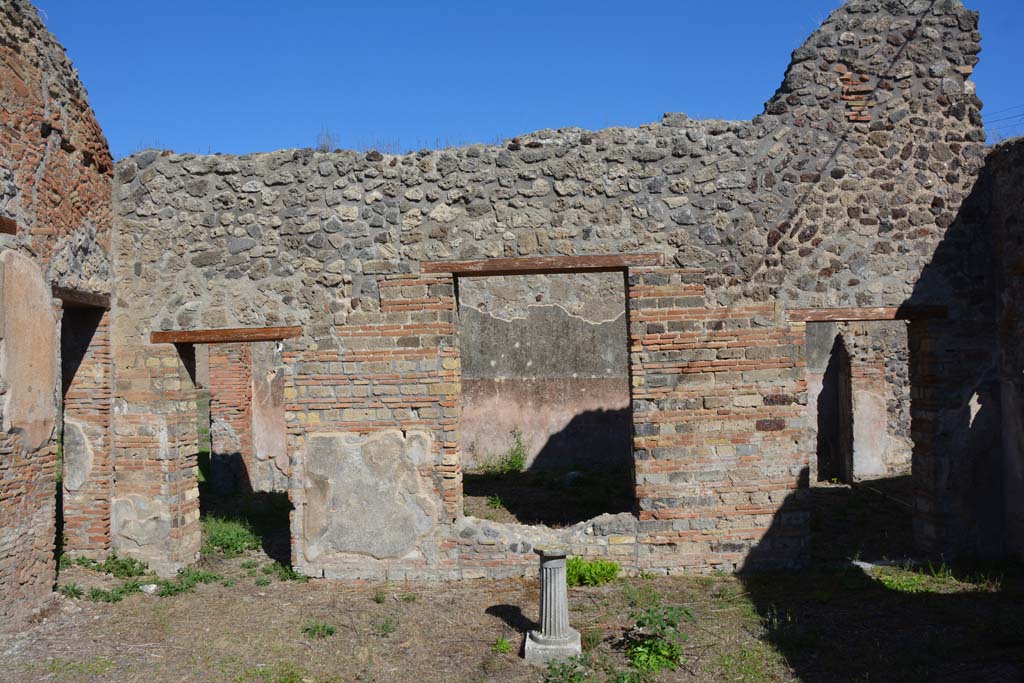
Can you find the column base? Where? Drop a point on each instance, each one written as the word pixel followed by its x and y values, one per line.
pixel 540 649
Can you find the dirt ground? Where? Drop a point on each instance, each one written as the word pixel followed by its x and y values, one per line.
pixel 874 625
pixel 254 623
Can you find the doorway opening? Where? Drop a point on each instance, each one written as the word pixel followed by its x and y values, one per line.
pixel 85 472
pixel 546 421
pixel 243 460
pixel 858 381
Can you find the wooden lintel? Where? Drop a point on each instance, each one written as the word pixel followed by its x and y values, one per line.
pixel 529 265
pixel 224 336
pixel 813 315
pixel 72 298
pixel 8 226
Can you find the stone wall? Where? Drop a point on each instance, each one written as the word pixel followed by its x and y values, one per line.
pixel 1005 177
pixel 55 211
pixel 839 195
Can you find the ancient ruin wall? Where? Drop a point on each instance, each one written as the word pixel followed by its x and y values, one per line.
pixel 838 195
pixel 1005 178
pixel 55 192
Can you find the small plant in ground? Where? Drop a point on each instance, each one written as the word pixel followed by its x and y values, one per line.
pixel 230 537
pixel 512 461
pixel 494 503
pixel 249 564
pixel 284 573
pixel 121 567
pixel 385 627
pixel 580 572
pixel 502 646
pixel 590 638
pixel 572 670
pixel 72 590
pixel 262 581
pixel 656 643
pixel 185 581
pixel 379 596
pixel 318 629
pixel 407 597
pixel 64 562
pixel 229 582
pixel 283 672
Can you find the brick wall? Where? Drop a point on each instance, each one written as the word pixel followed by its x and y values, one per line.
pixel 720 444
pixel 230 385
pixel 393 366
pixel 88 470
pixel 55 208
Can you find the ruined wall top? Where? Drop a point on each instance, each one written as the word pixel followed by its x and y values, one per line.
pixel 55 167
pixel 836 195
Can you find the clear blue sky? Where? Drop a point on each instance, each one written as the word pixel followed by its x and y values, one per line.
pixel 235 77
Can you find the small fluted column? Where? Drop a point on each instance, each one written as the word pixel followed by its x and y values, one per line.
pixel 555 639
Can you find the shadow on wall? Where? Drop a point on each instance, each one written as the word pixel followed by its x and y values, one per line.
pixel 836 621
pixel 584 470
pixel 933 621
pixel 835 417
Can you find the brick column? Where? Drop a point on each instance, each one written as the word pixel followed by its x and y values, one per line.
pixel 721 443
pixel 155 508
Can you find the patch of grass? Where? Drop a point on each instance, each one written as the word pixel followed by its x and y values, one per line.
pixel 640 597
pixel 283 672
pixel 385 627
pixel 229 537
pixel 72 590
pixel 749 664
pixel 262 581
pixel 407 597
pixel 580 572
pixel 75 670
pixel 318 629
pixel 590 638
pixel 379 596
pixel 120 567
pixel 249 564
pixel 185 581
pixel 284 572
pixel 502 646
pixel 494 503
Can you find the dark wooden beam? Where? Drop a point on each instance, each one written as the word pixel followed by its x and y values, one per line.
pixel 815 315
pixel 72 298
pixel 224 336
pixel 529 265
pixel 8 226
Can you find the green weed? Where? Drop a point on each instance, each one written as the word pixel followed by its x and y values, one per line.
pixel 230 537
pixel 502 646
pixel 318 629
pixel 580 572
pixel 72 590
pixel 385 627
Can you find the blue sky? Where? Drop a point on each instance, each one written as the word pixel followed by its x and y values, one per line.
pixel 232 76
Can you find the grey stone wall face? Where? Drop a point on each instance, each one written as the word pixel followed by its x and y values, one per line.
pixel 840 194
